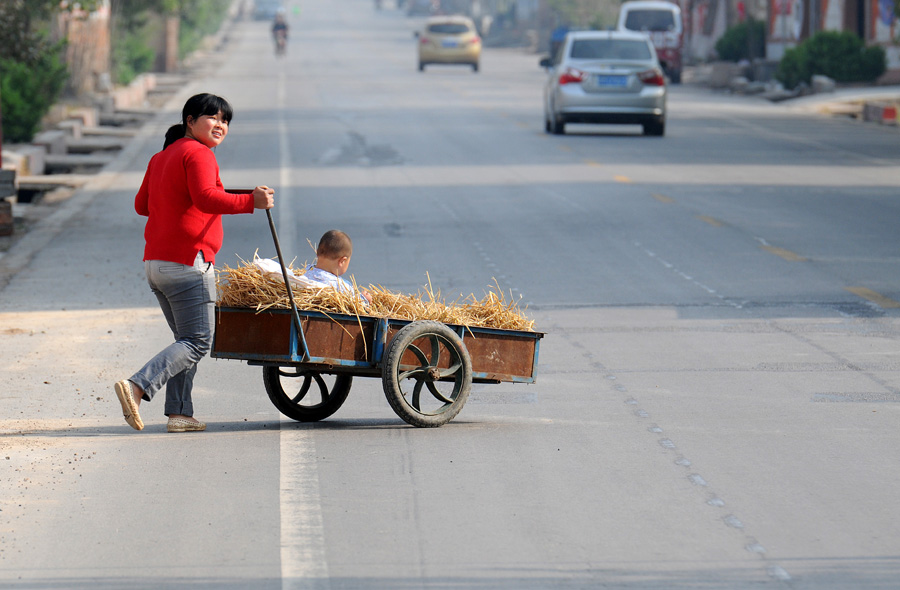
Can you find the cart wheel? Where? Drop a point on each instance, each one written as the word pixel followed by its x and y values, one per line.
pixel 427 355
pixel 304 395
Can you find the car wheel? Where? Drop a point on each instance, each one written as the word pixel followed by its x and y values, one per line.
pixel 547 127
pixel 676 77
pixel 421 67
pixel 557 127
pixel 655 128
pixel 475 67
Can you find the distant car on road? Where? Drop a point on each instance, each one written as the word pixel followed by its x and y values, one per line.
pixel 605 77
pixel 449 40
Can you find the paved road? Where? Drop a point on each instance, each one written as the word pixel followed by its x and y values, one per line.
pixel 717 395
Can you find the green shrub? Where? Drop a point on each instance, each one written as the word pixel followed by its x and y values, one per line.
pixel 793 67
pixel 873 62
pixel 27 91
pixel 841 56
pixel 746 40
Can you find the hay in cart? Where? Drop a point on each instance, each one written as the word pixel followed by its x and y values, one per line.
pixel 248 286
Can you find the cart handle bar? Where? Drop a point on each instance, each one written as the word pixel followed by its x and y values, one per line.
pixel 287 285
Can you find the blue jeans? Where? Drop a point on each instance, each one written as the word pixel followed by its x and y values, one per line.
pixel 187 296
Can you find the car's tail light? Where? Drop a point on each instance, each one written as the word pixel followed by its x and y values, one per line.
pixel 571 76
pixel 652 77
pixel 423 40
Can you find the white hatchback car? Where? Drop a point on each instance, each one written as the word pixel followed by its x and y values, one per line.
pixel 605 77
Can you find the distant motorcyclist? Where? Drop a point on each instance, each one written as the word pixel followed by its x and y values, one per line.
pixel 280 32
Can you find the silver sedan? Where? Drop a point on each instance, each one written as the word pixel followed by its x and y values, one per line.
pixel 605 77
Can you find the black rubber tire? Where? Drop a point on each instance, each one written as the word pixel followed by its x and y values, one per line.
pixel 421 67
pixel 321 406
pixel 655 129
pixel 404 384
pixel 475 67
pixel 557 127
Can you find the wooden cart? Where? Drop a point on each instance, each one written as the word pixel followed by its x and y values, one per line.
pixel 426 367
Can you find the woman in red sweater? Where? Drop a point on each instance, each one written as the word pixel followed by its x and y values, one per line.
pixel 183 200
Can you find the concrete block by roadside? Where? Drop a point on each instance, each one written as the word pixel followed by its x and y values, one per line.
pixel 25 158
pixel 33 188
pixel 722 74
pixel 125 118
pixel 71 127
pixel 89 116
pixel 53 141
pixel 76 162
pixel 95 143
pixel 49 182
pixel 135 94
pixel 109 131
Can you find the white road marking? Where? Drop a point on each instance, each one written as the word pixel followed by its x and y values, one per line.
pixel 303 563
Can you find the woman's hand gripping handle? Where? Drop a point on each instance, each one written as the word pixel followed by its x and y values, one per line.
pixel 263 197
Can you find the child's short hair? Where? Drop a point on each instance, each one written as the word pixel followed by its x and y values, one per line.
pixel 334 244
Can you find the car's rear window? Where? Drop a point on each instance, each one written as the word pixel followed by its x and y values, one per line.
pixel 609 49
pixel 448 28
pixel 650 20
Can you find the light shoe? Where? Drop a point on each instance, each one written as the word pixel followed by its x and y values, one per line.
pixel 182 425
pixel 125 394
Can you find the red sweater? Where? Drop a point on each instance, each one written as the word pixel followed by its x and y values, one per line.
pixel 184 200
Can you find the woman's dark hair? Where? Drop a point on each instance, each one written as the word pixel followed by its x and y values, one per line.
pixel 195 107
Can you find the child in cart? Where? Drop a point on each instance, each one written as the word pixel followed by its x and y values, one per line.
pixel 332 260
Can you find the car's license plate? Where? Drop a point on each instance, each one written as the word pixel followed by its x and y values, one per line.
pixel 612 81
pixel 449 43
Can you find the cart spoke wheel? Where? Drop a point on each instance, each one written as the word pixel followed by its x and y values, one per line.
pixel 451 371
pixel 417 395
pixel 291 390
pixel 417 373
pixel 438 395
pixel 427 355
pixel 294 373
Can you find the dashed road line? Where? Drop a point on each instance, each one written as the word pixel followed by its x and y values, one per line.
pixel 876 298
pixel 781 252
pixel 785 254
pixel 729 519
pixel 687 277
pixel 710 220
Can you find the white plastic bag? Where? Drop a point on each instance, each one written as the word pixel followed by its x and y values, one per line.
pixel 271 267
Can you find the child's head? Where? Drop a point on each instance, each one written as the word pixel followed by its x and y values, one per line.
pixel 334 251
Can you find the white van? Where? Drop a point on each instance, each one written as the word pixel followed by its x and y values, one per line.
pixel 661 20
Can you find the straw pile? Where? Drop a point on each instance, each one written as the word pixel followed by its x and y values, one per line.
pixel 246 286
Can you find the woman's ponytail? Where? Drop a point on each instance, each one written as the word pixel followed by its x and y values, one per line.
pixel 174 133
